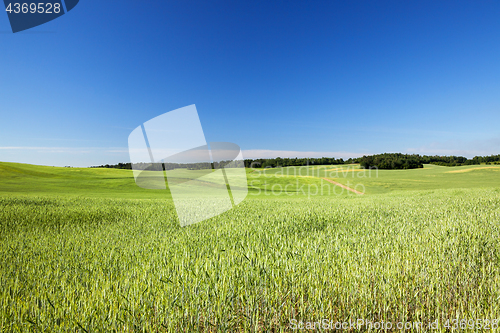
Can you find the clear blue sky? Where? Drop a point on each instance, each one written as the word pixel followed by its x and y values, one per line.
pixel 296 78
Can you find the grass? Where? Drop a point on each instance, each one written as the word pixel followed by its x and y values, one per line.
pixel 385 181
pixel 278 183
pixel 75 258
pixel 25 179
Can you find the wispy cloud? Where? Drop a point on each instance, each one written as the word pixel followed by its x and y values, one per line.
pixel 458 147
pixel 117 150
pixel 86 156
pixel 62 156
pixel 264 153
pixel 66 150
pixel 250 153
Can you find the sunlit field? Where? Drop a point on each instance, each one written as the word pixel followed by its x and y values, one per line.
pixel 87 250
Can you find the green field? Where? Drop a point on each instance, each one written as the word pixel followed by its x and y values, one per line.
pixel 25 179
pixel 384 181
pixel 86 250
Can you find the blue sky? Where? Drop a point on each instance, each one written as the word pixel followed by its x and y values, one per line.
pixel 279 78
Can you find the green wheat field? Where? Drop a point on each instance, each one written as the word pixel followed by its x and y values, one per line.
pixel 86 250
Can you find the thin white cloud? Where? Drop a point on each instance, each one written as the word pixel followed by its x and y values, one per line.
pixel 22 148
pixel 264 153
pixel 63 150
pixel 121 151
pixel 450 152
pixel 66 149
pixel 251 153
pixel 468 149
pixel 86 156
pixel 62 156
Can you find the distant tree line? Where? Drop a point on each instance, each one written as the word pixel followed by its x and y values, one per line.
pixel 172 166
pixel 493 159
pixel 381 161
pixel 446 160
pixel 406 161
pixel 391 161
pixel 248 163
pixel 127 166
pixel 287 162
